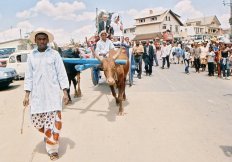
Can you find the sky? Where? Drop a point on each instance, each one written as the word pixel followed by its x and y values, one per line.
pixel 72 19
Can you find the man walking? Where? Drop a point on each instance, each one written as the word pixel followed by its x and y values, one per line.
pixel 196 55
pixel 44 78
pixel 148 57
pixel 138 51
pixel 165 50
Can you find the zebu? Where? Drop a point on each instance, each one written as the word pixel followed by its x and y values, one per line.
pixel 72 73
pixel 116 75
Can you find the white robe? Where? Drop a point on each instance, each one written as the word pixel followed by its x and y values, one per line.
pixel 44 78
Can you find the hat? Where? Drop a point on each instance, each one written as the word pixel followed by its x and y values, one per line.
pixel 213 39
pixel 33 34
pixel 105 15
pixel 165 42
pixel 103 32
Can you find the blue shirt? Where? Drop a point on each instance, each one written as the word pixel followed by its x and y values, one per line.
pixel 44 78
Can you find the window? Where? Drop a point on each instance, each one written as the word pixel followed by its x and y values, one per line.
pixel 177 29
pixel 153 18
pixel 124 31
pixel 132 30
pixel 166 18
pixel 169 18
pixel 12 59
pixel 142 20
pixel 164 26
pixel 171 28
pixel 22 58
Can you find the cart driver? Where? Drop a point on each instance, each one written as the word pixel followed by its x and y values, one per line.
pixel 104 45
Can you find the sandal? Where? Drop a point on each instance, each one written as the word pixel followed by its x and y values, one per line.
pixel 54 156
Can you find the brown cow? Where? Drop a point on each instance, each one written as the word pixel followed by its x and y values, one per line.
pixel 116 75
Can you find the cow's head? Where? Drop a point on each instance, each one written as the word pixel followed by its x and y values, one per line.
pixel 109 66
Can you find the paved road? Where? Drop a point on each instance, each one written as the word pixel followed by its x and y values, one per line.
pixel 171 117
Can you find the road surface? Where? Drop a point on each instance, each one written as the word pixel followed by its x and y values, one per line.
pixel 170 117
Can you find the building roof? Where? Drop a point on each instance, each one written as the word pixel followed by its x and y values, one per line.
pixel 14 40
pixel 147 15
pixel 163 14
pixel 204 20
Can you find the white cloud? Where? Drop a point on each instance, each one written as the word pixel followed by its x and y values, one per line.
pixel 10 34
pixel 25 25
pixel 187 10
pixel 60 10
pixel 26 14
pixel 62 36
pixel 224 19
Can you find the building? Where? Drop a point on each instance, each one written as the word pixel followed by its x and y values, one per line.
pixel 202 26
pixel 18 44
pixel 154 24
pixel 129 32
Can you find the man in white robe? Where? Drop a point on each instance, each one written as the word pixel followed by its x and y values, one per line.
pixel 45 77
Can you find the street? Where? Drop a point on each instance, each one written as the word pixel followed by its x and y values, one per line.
pixel 170 117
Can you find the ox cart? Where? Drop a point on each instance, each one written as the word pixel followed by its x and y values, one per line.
pixel 82 64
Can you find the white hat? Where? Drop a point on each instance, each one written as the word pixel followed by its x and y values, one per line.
pixel 103 32
pixel 33 34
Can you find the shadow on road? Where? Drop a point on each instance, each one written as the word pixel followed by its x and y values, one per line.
pixel 64 143
pixel 113 110
pixel 227 150
pixel 9 88
pixel 227 95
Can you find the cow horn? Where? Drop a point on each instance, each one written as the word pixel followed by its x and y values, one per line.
pixel 117 54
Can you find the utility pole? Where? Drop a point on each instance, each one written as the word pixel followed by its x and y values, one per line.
pixel 97 19
pixel 230 20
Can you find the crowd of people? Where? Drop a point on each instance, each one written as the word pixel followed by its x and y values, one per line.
pixel 212 56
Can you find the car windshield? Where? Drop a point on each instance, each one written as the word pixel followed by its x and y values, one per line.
pixel 5 52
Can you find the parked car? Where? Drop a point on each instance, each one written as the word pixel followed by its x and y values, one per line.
pixel 7 75
pixel 3 62
pixel 4 55
pixel 18 61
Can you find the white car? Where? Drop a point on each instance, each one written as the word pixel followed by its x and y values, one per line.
pixel 18 61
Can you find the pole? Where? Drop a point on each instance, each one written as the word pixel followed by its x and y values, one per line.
pixel 97 26
pixel 230 16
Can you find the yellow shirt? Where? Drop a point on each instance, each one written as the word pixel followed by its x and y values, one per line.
pixel 138 50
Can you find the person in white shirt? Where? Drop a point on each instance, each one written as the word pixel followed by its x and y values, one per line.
pixel 117 26
pixel 45 77
pixel 165 51
pixel 186 60
pixel 172 53
pixel 104 45
pixel 204 52
pixel 210 59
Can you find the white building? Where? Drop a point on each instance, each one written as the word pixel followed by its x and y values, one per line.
pixel 18 44
pixel 202 26
pixel 129 32
pixel 153 24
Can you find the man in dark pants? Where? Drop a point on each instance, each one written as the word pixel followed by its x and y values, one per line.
pixel 168 55
pixel 148 56
pixel 138 51
pixel 196 54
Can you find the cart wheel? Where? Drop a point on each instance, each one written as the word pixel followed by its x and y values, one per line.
pixel 95 75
